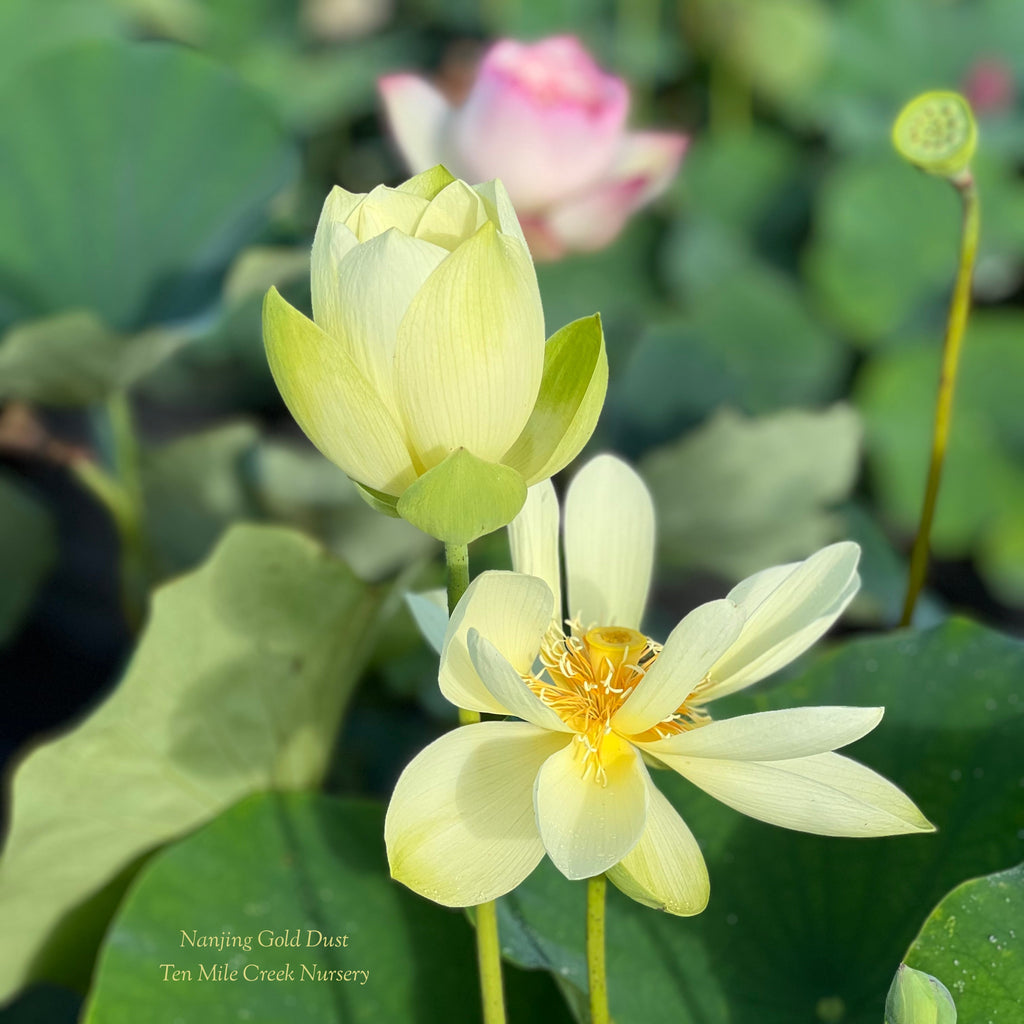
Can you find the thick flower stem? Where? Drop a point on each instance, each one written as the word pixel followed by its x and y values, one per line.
pixel 958 310
pixel 456 557
pixel 488 946
pixel 595 951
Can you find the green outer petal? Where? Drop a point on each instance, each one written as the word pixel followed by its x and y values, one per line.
pixel 918 998
pixel 463 498
pixel 332 401
pixel 571 397
pixel 427 184
pixel 378 500
pixel 470 353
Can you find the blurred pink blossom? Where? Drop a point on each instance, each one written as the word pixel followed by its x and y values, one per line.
pixel 989 85
pixel 547 121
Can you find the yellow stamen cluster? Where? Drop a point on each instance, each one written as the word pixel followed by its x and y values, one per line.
pixel 588 675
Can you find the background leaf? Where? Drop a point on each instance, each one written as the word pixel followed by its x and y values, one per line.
pixel 983 479
pixel 298 862
pixel 973 941
pixel 237 685
pixel 130 175
pixel 73 359
pixel 740 494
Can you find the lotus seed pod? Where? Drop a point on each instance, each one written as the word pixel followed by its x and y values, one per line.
pixel 937 132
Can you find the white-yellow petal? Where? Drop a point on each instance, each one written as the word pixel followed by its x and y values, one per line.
pixel 691 649
pixel 375 284
pixel 430 613
pixel 331 243
pixel 471 351
pixel 787 618
pixel 507 685
pixel 749 593
pixel 826 794
pixel 332 401
pixel 455 214
pixel 384 208
pixel 666 869
pixel 533 538
pixel 773 735
pixel 460 828
pixel 609 544
pixel 500 208
pixel 339 206
pixel 587 826
pixel 514 613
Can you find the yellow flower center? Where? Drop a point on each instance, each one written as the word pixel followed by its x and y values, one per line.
pixel 588 676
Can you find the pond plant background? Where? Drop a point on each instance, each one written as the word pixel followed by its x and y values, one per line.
pixel 180 564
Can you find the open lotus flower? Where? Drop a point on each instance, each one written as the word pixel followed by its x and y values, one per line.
pixel 474 813
pixel 547 121
pixel 424 373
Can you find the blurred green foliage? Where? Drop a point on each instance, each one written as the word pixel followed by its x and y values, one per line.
pixel 163 162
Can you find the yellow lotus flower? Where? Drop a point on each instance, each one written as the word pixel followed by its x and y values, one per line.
pixel 474 813
pixel 424 373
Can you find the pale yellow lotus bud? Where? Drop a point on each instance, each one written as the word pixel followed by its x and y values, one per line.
pixel 424 373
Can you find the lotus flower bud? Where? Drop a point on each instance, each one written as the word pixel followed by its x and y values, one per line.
pixel 424 373
pixel 918 998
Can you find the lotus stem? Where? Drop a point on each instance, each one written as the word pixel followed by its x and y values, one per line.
pixel 596 973
pixel 488 945
pixel 957 322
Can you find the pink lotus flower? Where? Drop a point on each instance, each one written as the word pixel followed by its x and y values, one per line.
pixel 547 121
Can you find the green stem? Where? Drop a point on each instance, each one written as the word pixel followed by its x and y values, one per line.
pixel 120 493
pixel 456 557
pixel 488 959
pixel 958 310
pixel 595 951
pixel 488 946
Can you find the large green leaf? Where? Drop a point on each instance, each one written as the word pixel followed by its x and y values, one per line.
pixel 25 36
pixel 292 865
pixel 805 928
pixel 973 942
pixel 28 547
pixel 130 174
pixel 237 685
pixel 739 494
